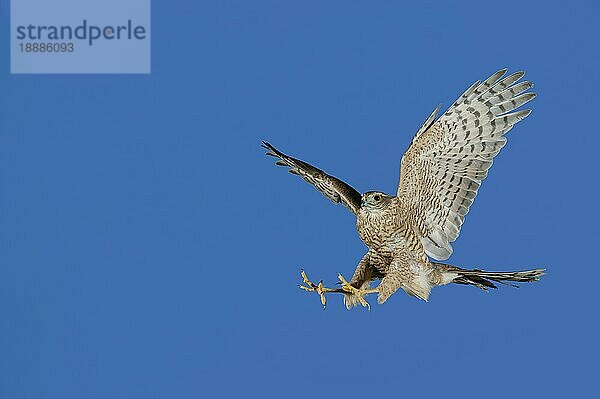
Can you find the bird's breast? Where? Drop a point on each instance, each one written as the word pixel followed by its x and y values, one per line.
pixel 380 232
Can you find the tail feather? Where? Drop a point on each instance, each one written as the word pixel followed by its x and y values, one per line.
pixel 485 280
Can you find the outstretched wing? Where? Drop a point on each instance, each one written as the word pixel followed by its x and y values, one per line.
pixel 448 159
pixel 333 188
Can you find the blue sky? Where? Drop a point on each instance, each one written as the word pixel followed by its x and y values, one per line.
pixel 149 249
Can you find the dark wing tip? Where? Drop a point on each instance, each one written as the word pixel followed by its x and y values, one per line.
pixel 266 144
pixel 271 151
pixel 283 160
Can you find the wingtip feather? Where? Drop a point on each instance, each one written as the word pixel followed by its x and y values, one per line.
pixel 272 151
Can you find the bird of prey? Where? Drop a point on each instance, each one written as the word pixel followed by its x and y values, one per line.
pixel 440 174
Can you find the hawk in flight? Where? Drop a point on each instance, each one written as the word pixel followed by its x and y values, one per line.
pixel 440 174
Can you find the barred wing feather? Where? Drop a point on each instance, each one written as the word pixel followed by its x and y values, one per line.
pixel 448 159
pixel 331 187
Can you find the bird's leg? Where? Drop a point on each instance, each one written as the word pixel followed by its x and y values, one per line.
pixel 318 288
pixel 349 289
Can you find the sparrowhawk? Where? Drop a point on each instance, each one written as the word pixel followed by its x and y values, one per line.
pixel 440 175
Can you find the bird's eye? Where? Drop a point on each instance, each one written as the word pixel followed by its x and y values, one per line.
pixel 376 197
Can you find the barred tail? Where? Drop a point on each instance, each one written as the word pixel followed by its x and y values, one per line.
pixel 484 280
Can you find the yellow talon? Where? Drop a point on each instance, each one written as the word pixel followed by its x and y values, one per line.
pixel 346 285
pixel 306 281
pixel 321 293
pixel 355 291
pixel 318 288
pixel 346 288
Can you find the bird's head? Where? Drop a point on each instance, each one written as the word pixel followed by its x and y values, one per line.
pixel 373 201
